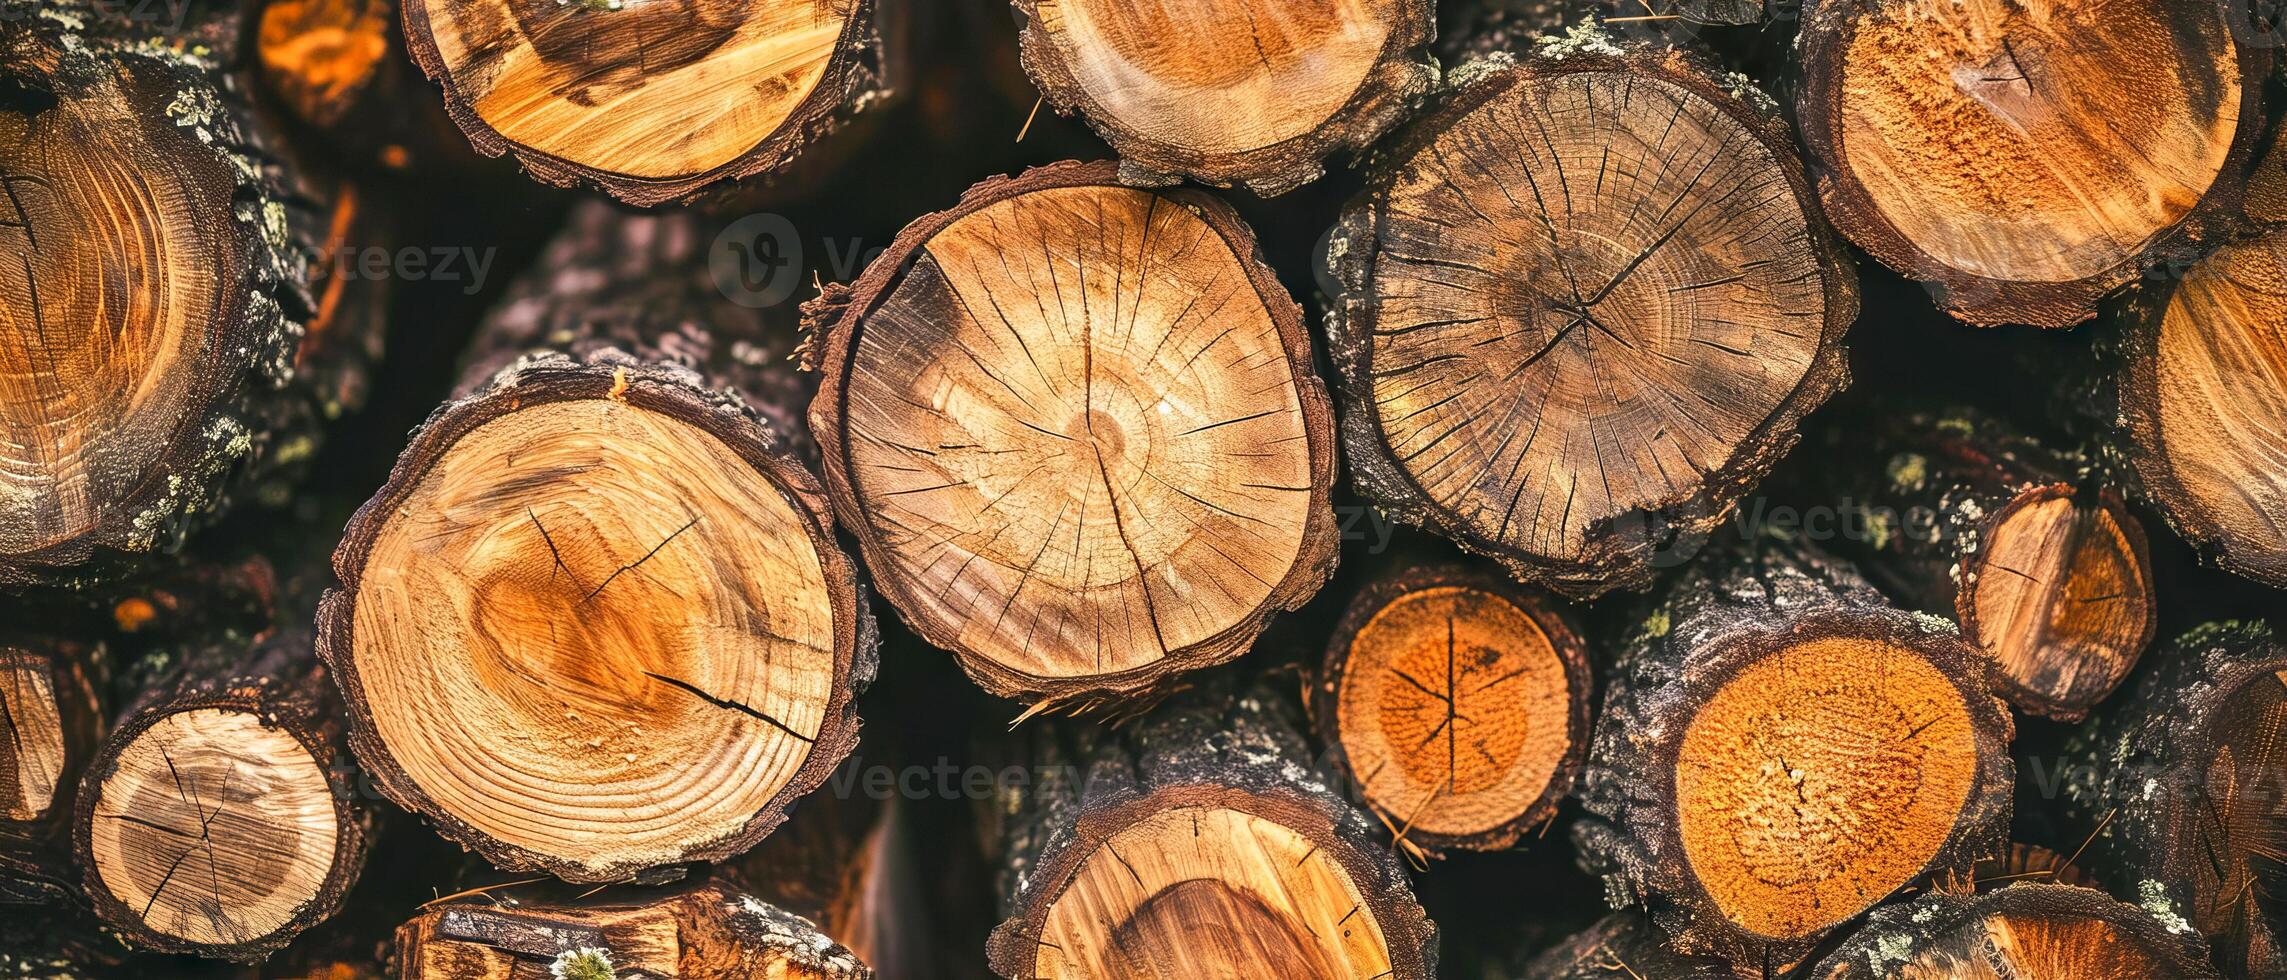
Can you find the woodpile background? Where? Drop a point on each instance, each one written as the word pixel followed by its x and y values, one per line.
pixel 930 489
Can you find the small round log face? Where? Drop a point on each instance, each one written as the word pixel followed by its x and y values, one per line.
pixel 654 90
pixel 1819 779
pixel 120 289
pixel 1078 436
pixel 2034 947
pixel 1460 708
pixel 1209 891
pixel 1219 77
pixel 33 749
pixel 591 632
pixel 2060 595
pixel 212 827
pixel 2227 837
pixel 2206 400
pixel 1593 291
pixel 2021 155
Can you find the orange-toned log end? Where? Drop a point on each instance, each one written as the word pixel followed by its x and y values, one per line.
pixel 2204 394
pixel 215 828
pixel 1254 92
pixel 2022 932
pixel 2242 828
pixel 1075 428
pixel 50 723
pixel 2023 159
pixel 701 933
pixel 1460 704
pixel 1573 381
pixel 130 327
pixel 594 625
pixel 322 56
pixel 2060 593
pixel 1203 882
pixel 650 101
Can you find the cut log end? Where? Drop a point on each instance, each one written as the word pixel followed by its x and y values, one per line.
pixel 126 311
pixel 1252 92
pixel 2023 161
pixel 2205 418
pixel 1075 429
pixel 47 723
pixel 1199 887
pixel 2060 593
pixel 1541 371
pixel 2027 930
pixel 2235 888
pixel 213 830
pixel 594 576
pixel 703 933
pixel 652 102
pixel 1460 705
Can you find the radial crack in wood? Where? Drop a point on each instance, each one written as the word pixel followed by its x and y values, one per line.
pixel 1580 309
pixel 1252 91
pixel 2023 158
pixel 1460 704
pixel 1075 429
pixel 650 100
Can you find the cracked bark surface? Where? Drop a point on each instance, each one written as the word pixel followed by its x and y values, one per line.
pixel 1198 842
pixel 1581 308
pixel 1460 704
pixel 131 401
pixel 1780 749
pixel 1076 432
pixel 650 102
pixel 597 620
pixel 2181 785
pixel 702 932
pixel 1251 92
pixel 2030 547
pixel 2024 160
pixel 2022 932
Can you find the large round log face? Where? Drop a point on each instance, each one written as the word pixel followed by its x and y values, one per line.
pixel 212 827
pixel 1209 891
pixel 1819 779
pixel 595 612
pixel 121 278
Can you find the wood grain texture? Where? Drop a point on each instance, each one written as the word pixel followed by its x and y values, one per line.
pixel 1250 92
pixel 703 932
pixel 1581 308
pixel 2022 158
pixel 2022 932
pixel 1075 429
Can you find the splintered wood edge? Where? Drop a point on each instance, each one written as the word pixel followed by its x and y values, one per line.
pixel 1564 642
pixel 1826 34
pixel 1605 565
pixel 1401 75
pixel 855 656
pixel 835 321
pixel 79 716
pixel 1969 570
pixel 1894 934
pixel 349 820
pixel 1407 933
pixel 1980 827
pixel 853 76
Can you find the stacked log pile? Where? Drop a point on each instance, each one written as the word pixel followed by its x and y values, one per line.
pixel 864 524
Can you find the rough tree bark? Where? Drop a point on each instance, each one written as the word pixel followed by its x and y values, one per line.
pixel 1581 308
pixel 845 863
pixel 2028 546
pixel 1780 749
pixel 2202 397
pixel 221 817
pixel 596 621
pixel 1199 843
pixel 1622 946
pixel 704 932
pixel 1075 429
pixel 1459 703
pixel 1251 92
pixel 2025 161
pixel 129 400
pixel 2181 785
pixel 649 102
pixel 2025 930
